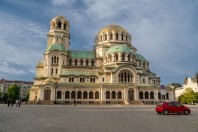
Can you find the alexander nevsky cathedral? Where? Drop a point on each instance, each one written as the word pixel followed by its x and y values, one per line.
pixel 112 73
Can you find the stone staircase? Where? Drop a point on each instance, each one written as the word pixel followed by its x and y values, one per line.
pixel 135 102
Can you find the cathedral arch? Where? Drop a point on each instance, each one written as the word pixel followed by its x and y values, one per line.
pixel 113 95
pixel 96 95
pixel 151 95
pixel 91 95
pixel 85 95
pixel 73 95
pixel 119 95
pixel 47 93
pixel 59 25
pixel 146 95
pixel 107 95
pixel 59 93
pixel 141 95
pixel 79 95
pixel 67 95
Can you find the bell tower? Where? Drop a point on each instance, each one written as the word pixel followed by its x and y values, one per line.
pixel 59 32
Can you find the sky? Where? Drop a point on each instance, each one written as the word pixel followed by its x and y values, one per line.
pixel 163 31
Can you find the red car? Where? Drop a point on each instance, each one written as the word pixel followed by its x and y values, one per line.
pixel 172 107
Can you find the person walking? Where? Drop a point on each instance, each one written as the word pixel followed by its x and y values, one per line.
pixel 17 102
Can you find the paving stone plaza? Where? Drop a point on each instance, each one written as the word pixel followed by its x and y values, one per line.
pixel 94 118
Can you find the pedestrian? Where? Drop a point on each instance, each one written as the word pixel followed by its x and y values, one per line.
pixel 8 103
pixel 19 102
pixel 74 102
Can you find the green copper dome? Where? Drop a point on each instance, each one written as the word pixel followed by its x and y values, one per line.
pixel 119 48
pixel 140 57
pixel 58 47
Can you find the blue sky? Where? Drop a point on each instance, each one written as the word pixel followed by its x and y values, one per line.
pixel 163 31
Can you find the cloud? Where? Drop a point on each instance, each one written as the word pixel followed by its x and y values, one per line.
pixel 22 43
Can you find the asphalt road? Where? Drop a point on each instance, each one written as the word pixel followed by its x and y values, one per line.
pixel 84 118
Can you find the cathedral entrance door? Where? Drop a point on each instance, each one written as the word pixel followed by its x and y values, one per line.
pixel 131 94
pixel 47 94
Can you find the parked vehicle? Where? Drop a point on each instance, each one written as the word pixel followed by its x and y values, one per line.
pixel 172 107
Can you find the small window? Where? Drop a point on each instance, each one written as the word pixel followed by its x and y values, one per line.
pixel 59 25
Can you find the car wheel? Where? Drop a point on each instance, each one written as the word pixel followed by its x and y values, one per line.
pixel 166 112
pixel 159 112
pixel 186 112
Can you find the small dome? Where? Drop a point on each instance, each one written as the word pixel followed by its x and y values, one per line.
pixel 49 80
pixel 40 64
pixel 120 49
pixel 112 27
pixel 60 22
pixel 140 57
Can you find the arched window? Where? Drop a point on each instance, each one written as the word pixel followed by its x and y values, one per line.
pixel 82 79
pixel 143 80
pixel 81 62
pixel 52 60
pixel 87 62
pixel 76 62
pixel 126 38
pixel 100 38
pixel 85 95
pixel 105 37
pixel 56 71
pixel 140 95
pixel 107 95
pixel 52 71
pixel 96 95
pixel 70 62
pixel 116 57
pixel 73 95
pixel 117 36
pixel 151 95
pixel 129 57
pixel 113 95
pixel 122 36
pixel 59 25
pixel 146 95
pixel 67 95
pixel 123 56
pixel 125 76
pixel 159 95
pixel 119 95
pixel 92 62
pixel 91 95
pixel 65 26
pixel 79 95
pixel 59 95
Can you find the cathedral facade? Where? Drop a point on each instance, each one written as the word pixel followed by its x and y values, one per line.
pixel 113 73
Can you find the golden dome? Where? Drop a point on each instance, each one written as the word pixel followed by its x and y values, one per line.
pixel 113 28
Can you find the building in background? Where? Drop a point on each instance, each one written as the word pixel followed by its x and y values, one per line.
pixel 189 82
pixel 114 72
pixel 24 86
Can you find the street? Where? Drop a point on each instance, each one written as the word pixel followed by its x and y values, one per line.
pixel 94 118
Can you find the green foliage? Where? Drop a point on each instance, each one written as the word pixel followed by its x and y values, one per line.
pixel 27 96
pixel 13 92
pixel 188 97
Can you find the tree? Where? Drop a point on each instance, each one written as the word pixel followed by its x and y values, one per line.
pixel 188 97
pixel 4 97
pixel 13 92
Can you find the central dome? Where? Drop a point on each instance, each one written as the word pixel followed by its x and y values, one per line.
pixel 113 27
